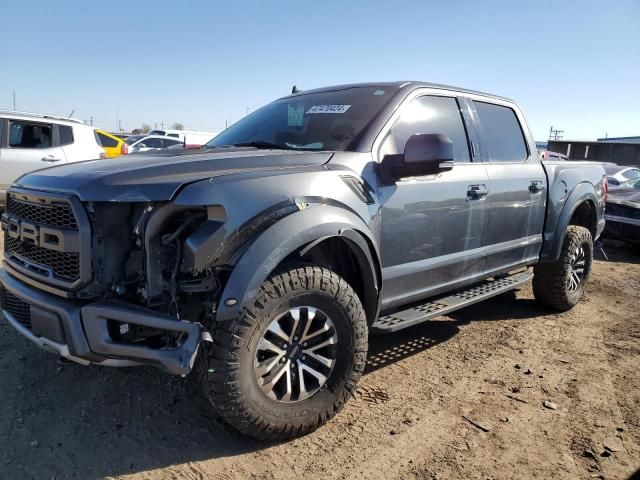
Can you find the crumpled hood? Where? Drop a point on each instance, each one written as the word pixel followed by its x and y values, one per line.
pixel 157 177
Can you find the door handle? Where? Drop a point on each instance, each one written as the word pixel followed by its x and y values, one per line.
pixel 535 186
pixel 476 192
pixel 50 158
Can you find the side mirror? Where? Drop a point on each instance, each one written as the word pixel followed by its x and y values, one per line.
pixel 141 145
pixel 424 154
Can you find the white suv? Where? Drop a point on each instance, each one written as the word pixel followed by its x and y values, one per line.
pixel 30 141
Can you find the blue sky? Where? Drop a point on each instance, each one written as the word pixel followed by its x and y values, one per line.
pixel 571 64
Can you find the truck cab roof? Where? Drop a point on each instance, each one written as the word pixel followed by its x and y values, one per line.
pixel 399 85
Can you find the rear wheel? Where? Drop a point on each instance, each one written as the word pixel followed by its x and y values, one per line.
pixel 292 359
pixel 561 284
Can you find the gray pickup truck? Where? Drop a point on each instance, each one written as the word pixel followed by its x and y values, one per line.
pixel 263 261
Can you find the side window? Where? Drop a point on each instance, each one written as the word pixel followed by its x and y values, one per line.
pixel 29 135
pixel 502 133
pixel 107 141
pixel 167 142
pixel 153 142
pixel 66 135
pixel 174 135
pixel 430 114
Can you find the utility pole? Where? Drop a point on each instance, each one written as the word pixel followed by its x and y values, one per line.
pixel 247 111
pixel 14 99
pixel 555 134
pixel 117 119
pixel 91 121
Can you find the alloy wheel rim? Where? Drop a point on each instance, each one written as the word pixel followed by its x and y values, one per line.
pixel 577 269
pixel 296 354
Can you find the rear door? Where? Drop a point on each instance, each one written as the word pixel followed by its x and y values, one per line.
pixel 30 146
pixel 431 226
pixel 517 186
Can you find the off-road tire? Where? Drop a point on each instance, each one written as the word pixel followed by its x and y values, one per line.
pixel 551 282
pixel 226 366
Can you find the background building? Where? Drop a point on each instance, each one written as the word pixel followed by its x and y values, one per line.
pixel 620 150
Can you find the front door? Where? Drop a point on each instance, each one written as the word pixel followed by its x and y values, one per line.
pixel 29 147
pixel 431 227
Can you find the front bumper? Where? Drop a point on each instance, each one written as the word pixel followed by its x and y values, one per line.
pixel 78 331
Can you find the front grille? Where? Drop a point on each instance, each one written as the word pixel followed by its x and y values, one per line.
pixel 51 256
pixel 19 309
pixel 65 265
pixel 55 214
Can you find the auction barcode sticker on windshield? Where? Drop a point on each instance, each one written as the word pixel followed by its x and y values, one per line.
pixel 328 109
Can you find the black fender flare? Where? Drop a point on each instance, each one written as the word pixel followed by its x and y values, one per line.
pixel 553 239
pixel 267 251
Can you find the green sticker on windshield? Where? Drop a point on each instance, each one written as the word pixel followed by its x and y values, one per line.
pixel 295 115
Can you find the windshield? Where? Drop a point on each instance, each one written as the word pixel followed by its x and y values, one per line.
pixel 133 139
pixel 317 121
pixel 634 183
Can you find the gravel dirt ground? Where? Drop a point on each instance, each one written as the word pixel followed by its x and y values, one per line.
pixel 462 397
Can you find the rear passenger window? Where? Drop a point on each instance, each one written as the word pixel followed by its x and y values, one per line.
pixel 107 141
pixel 66 134
pixel 502 133
pixel 152 142
pixel 429 114
pixel 29 135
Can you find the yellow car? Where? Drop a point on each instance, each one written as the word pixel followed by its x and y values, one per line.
pixel 113 146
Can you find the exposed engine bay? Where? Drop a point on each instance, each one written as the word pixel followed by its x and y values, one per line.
pixel 140 255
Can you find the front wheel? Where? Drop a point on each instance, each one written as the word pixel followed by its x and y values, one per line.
pixel 292 359
pixel 560 285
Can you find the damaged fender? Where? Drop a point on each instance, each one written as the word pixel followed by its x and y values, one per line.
pixel 288 235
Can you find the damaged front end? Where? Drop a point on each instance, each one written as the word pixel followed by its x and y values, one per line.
pixel 142 302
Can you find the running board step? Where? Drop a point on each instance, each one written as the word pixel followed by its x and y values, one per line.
pixel 441 306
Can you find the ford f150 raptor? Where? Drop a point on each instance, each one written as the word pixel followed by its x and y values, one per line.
pixel 263 261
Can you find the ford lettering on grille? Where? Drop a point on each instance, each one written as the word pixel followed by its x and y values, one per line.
pixel 42 238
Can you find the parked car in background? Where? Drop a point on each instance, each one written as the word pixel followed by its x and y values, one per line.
pixel 145 143
pixel 131 139
pixel 113 146
pixel 30 141
pixel 182 146
pixel 617 174
pixel 623 212
pixel 192 137
pixel 547 155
